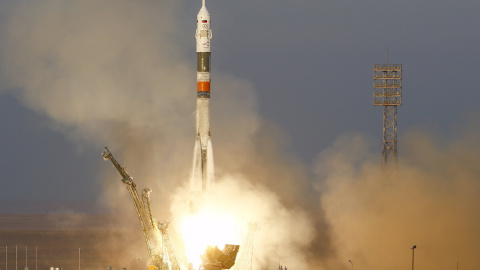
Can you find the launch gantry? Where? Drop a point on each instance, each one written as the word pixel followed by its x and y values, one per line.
pixel 245 254
pixel 387 92
pixel 160 249
pixel 216 259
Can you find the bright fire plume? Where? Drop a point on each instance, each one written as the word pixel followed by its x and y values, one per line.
pixel 209 226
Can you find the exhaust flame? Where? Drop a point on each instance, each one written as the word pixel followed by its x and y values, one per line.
pixel 209 226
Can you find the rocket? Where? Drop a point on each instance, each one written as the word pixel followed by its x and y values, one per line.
pixel 203 173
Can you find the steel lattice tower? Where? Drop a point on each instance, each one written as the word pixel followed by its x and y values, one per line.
pixel 387 92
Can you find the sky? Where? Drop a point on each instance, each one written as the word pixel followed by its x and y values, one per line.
pixel 311 64
pixel 292 99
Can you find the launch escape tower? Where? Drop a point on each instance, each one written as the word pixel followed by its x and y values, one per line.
pixel 387 92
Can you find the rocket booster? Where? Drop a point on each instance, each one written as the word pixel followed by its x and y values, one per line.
pixel 203 167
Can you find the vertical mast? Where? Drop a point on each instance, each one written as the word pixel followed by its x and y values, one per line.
pixel 387 92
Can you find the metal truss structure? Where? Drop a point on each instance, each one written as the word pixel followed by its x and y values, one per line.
pixel 387 92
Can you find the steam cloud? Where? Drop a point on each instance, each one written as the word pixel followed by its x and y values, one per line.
pixel 431 201
pixel 116 73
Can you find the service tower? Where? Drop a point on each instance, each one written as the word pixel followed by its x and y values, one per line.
pixel 203 167
pixel 387 92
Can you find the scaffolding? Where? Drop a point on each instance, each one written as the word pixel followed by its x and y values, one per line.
pixel 160 250
pixel 245 255
pixel 387 92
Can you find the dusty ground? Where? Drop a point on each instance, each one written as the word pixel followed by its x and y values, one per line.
pixel 58 239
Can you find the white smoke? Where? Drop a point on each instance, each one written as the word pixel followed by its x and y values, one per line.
pixel 377 214
pixel 118 73
pixel 283 233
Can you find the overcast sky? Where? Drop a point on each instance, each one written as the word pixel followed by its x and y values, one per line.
pixel 310 64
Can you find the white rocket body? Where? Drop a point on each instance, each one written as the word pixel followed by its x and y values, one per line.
pixel 203 173
pixel 203 34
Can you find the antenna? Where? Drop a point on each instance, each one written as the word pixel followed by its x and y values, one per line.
pixel 387 56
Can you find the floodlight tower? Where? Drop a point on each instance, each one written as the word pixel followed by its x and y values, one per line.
pixel 387 92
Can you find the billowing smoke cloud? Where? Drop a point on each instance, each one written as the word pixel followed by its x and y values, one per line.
pixel 118 73
pixel 376 215
pixel 283 233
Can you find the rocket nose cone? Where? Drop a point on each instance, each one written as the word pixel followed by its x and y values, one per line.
pixel 203 12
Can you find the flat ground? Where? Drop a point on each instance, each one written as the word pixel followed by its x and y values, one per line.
pixel 44 241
